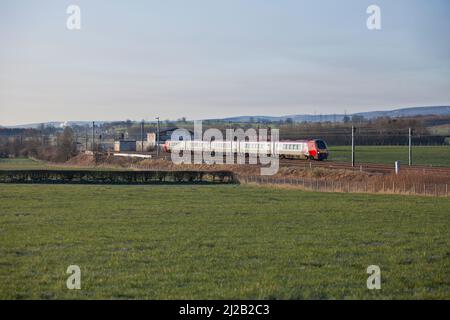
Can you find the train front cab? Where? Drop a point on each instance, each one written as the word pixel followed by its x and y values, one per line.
pixel 318 150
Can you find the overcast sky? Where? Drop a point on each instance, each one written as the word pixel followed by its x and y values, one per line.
pixel 217 58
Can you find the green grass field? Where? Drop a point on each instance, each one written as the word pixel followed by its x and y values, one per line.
pixel 426 155
pixel 31 164
pixel 205 242
pixel 22 164
pixel 442 130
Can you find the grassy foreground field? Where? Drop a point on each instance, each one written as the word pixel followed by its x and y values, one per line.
pixel 165 242
pixel 22 164
pixel 426 155
pixel 32 164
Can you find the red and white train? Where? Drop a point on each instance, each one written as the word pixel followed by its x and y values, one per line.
pixel 315 149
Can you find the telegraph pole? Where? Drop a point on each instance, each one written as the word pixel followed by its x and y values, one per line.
pixel 353 146
pixel 76 141
pixel 93 135
pixel 42 134
pixel 157 137
pixel 410 146
pixel 142 135
pixel 87 138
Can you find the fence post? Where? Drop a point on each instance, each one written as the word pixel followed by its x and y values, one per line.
pixel 446 190
pixel 353 147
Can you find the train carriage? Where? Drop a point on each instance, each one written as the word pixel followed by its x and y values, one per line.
pixel 315 149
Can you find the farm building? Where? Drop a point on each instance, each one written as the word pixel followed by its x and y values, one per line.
pixel 166 134
pixel 125 145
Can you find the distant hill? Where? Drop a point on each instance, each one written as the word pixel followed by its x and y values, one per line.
pixel 56 124
pixel 404 112
pixel 408 112
pixel 295 118
pixel 396 113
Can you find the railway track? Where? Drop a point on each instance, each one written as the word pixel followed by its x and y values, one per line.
pixel 365 167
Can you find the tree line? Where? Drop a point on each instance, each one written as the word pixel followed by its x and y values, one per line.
pixel 34 143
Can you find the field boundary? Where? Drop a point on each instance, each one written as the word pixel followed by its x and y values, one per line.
pixel 115 177
pixel 424 189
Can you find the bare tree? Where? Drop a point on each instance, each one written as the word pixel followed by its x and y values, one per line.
pixel 66 145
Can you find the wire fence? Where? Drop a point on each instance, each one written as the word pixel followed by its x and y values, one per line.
pixel 437 190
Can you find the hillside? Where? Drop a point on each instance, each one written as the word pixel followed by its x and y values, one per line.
pixel 395 113
pixel 403 112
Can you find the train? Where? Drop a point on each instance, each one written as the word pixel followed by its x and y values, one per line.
pixel 315 149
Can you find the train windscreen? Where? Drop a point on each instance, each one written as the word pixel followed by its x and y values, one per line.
pixel 320 144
